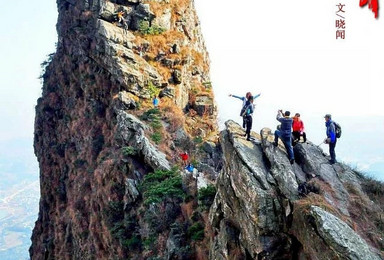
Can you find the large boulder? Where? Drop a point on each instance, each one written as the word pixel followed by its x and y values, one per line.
pixel 204 105
pixel 281 169
pixel 321 231
pixel 315 163
pixel 130 131
pixel 246 206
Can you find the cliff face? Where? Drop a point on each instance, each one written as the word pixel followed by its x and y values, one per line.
pixel 113 185
pixel 266 208
pixel 97 134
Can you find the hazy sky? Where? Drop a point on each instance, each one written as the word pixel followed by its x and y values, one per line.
pixel 27 35
pixel 285 50
pixel 288 51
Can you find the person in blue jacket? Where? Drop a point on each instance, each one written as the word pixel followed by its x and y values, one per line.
pixel 245 99
pixel 331 137
pixel 285 133
pixel 189 168
pixel 247 117
pixel 155 102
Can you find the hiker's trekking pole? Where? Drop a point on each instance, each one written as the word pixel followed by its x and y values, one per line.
pixel 319 144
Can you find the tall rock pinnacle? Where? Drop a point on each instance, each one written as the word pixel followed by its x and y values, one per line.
pixel 97 134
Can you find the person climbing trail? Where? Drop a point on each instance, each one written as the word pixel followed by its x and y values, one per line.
pixel 298 129
pixel 155 102
pixel 245 99
pixel 184 157
pixel 190 168
pixel 122 20
pixel 285 133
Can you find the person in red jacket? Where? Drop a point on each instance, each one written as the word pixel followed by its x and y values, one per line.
pixel 298 129
pixel 184 156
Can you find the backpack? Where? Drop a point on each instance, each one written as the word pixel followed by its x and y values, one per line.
pixel 243 111
pixel 303 189
pixel 337 130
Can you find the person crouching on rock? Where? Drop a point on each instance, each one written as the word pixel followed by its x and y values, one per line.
pixel 298 129
pixel 247 116
pixel 285 133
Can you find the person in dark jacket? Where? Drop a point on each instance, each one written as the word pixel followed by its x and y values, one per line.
pixel 247 116
pixel 285 133
pixel 331 137
pixel 245 99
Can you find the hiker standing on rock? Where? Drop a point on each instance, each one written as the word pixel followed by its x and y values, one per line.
pixel 331 137
pixel 245 99
pixel 247 112
pixel 285 132
pixel 298 129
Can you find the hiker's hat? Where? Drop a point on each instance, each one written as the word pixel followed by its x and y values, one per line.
pixel 328 116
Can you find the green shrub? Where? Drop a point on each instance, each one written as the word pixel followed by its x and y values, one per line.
pixel 150 114
pixel 148 242
pixel 160 185
pixel 196 231
pixel 114 212
pixel 374 187
pixel 207 84
pixel 133 243
pixel 198 140
pixel 152 89
pixel 145 29
pixel 206 196
pixel 128 150
pixel 156 124
pixel 156 137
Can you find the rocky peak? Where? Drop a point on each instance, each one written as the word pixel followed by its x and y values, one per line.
pixel 113 185
pixel 266 208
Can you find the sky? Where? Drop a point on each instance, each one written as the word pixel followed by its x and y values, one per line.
pixel 284 50
pixel 25 41
pixel 288 52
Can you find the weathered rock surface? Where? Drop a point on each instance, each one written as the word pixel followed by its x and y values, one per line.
pixel 93 147
pixel 337 234
pixel 130 132
pixel 258 214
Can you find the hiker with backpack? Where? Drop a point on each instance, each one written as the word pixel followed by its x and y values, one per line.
pixel 285 133
pixel 333 132
pixel 298 129
pixel 245 99
pixel 246 113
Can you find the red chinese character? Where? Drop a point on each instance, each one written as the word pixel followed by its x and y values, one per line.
pixel 340 6
pixel 340 24
pixel 372 4
pixel 340 34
